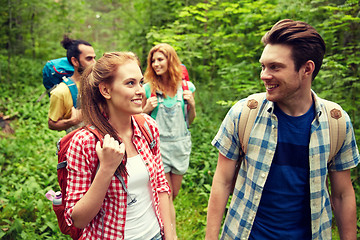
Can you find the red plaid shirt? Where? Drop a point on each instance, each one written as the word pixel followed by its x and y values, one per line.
pixel 82 161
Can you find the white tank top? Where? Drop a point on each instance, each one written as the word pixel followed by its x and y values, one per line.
pixel 141 221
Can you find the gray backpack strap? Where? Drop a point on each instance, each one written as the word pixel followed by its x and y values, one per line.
pixel 337 127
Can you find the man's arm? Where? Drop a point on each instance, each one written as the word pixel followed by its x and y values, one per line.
pixel 63 124
pixel 343 198
pixel 220 191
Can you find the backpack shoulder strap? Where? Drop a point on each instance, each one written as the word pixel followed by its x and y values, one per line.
pixel 145 129
pixel 96 132
pixel 73 89
pixel 184 85
pixel 337 126
pixel 153 94
pixel 99 137
pixel 246 122
pixel 247 118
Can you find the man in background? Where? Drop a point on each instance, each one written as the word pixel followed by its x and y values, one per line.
pixel 62 113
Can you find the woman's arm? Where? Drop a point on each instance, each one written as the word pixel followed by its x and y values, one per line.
pixel 150 104
pixel 190 98
pixel 165 214
pixel 110 156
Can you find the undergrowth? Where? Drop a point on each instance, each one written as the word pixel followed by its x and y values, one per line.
pixel 28 160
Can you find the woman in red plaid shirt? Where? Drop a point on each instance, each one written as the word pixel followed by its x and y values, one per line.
pixel 129 195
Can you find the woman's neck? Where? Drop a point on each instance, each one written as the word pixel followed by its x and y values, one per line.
pixel 124 128
pixel 122 125
pixel 165 78
pixel 166 88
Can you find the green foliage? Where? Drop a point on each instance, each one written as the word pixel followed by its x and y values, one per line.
pixel 221 45
pixel 339 77
pixel 191 214
pixel 27 160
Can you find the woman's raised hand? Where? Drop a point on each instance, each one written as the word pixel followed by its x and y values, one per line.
pixel 110 154
pixel 189 97
pixel 151 103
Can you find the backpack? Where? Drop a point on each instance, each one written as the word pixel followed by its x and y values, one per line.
pixel 56 71
pixel 337 125
pixel 62 172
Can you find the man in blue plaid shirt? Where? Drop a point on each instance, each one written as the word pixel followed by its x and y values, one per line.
pixel 281 189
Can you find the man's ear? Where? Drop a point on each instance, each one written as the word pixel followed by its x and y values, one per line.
pixel 105 90
pixel 75 62
pixel 309 68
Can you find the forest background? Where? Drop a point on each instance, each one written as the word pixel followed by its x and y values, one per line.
pixel 218 41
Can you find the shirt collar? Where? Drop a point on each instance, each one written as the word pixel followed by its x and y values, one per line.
pixel 318 108
pixel 135 127
pixel 269 106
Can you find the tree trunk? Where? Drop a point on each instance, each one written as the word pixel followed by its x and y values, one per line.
pixel 9 45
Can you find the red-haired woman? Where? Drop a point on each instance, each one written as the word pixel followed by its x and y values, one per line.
pixel 167 105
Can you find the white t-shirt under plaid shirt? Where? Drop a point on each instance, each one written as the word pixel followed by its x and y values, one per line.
pixel 260 153
pixel 82 159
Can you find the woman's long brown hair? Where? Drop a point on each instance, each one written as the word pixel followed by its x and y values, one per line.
pixel 93 104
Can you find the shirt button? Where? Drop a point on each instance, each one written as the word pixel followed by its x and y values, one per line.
pixel 273 126
pixel 256 197
pixel 263 175
pixel 147 164
pixel 140 150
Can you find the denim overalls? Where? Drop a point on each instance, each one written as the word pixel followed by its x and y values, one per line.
pixel 175 138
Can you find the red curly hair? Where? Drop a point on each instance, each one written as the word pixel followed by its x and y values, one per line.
pixel 174 69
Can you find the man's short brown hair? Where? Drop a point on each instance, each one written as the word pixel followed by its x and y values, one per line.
pixel 305 41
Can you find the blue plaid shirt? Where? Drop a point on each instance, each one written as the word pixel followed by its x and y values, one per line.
pixel 260 153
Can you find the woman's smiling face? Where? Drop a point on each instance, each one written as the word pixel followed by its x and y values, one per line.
pixel 126 93
pixel 159 63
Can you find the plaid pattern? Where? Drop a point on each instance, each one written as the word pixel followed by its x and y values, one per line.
pixel 255 168
pixel 82 160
